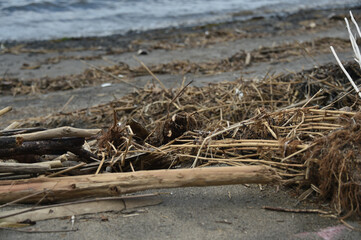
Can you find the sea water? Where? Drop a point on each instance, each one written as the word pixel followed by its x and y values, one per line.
pixel 40 20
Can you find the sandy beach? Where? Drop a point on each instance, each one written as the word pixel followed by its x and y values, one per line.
pixel 48 78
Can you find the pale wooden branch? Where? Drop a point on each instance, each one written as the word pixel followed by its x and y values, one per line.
pixel 112 184
pixel 23 167
pixel 12 125
pixel 5 110
pixel 52 164
pixel 12 131
pixel 58 133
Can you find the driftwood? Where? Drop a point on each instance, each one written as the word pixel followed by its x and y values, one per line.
pixel 66 188
pixel 23 168
pixel 5 110
pixel 77 208
pixel 41 167
pixel 51 146
pixel 52 164
pixel 9 142
pixel 294 210
pixel 58 133
pixel 38 141
pixel 9 132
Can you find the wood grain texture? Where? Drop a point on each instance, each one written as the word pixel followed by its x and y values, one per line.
pixel 114 184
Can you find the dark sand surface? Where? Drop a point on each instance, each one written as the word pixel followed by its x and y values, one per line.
pixel 227 212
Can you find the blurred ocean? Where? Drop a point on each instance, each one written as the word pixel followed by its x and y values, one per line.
pixel 39 19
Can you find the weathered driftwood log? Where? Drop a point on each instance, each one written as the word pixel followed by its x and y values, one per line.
pixel 9 132
pixel 23 168
pixel 10 142
pixel 41 167
pixel 14 138
pixel 66 188
pixel 51 146
pixel 25 145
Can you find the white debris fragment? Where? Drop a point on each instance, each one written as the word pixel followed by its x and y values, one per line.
pixel 106 85
pixel 355 49
pixel 239 94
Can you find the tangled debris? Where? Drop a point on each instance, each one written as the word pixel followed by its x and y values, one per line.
pixel 294 123
pixel 301 129
pixel 336 168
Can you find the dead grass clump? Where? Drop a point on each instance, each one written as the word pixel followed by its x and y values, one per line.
pixel 114 136
pixel 337 171
pixel 174 127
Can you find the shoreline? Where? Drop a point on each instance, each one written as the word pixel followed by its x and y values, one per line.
pixel 253 25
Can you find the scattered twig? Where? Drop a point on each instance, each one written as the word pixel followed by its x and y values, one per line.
pixel 5 110
pixel 66 170
pixel 39 231
pixel 67 103
pixel 58 133
pixel 279 209
pixel 35 208
pixel 346 73
pixel 176 96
